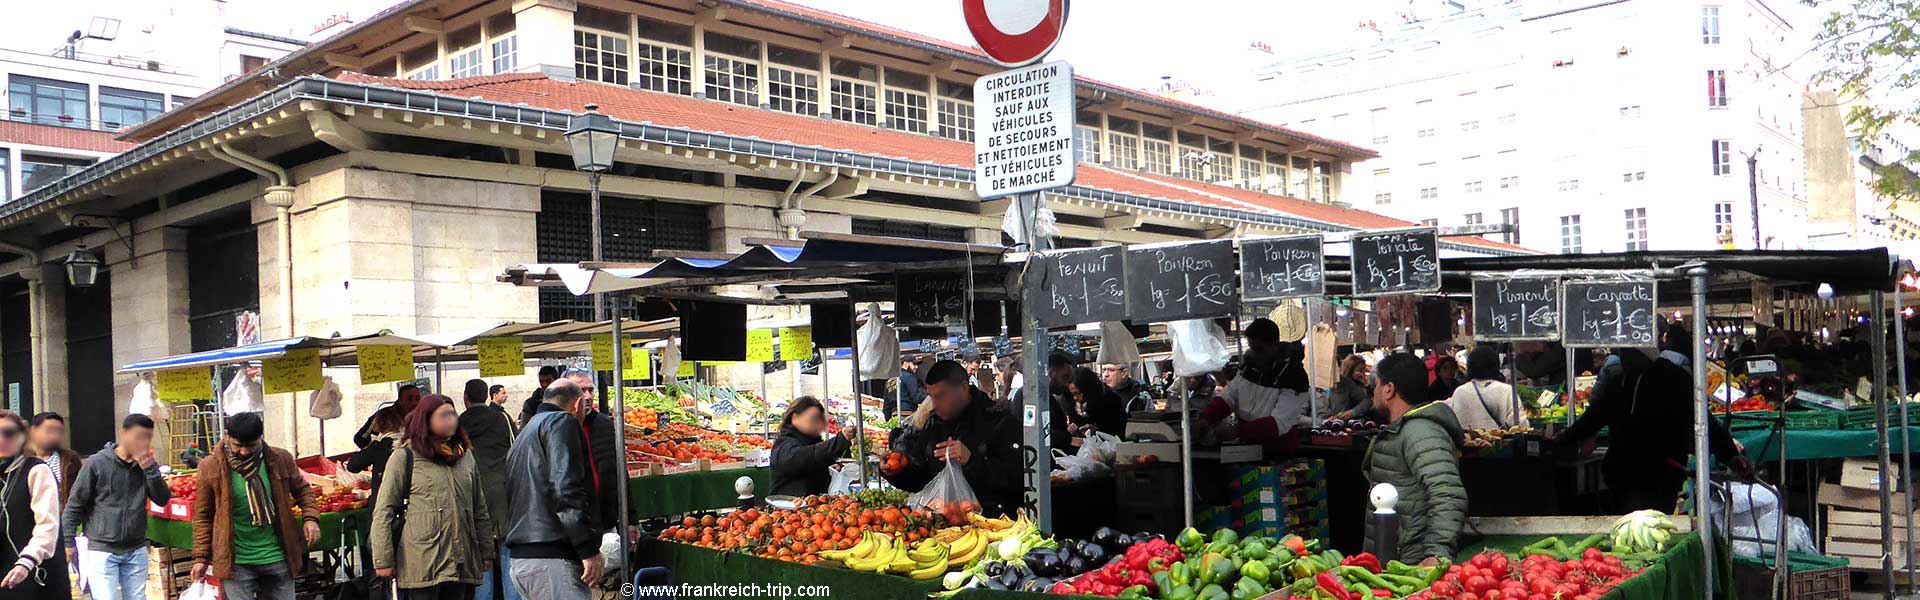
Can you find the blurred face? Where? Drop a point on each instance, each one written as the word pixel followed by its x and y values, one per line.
pixel 136 440
pixel 1383 393
pixel 500 396
pixel 1446 370
pixel 443 421
pixel 949 399
pixel 810 422
pixel 1060 377
pixel 1113 375
pixel 1079 397
pixel 11 439
pixel 48 435
pixel 546 380
pixel 409 398
pixel 1363 374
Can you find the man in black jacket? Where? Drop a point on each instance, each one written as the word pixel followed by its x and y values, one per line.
pixel 1649 402
pixel 405 398
pixel 602 454
pixel 109 505
pixel 491 432
pixel 547 375
pixel 969 429
pixel 553 536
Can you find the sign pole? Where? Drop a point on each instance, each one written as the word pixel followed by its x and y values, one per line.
pixel 1035 407
pixel 618 403
pixel 859 402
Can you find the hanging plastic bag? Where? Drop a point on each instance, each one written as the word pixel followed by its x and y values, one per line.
pixel 670 363
pixel 1014 224
pixel 145 402
pixel 324 403
pixel 204 589
pixel 840 480
pixel 1117 345
pixel 610 553
pixel 879 347
pixel 948 494
pixel 1199 347
pixel 1099 446
pixel 242 396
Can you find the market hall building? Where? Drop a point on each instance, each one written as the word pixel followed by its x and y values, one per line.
pixel 386 175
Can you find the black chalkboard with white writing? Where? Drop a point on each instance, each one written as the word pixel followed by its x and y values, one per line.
pixel 1176 282
pixel 1287 267
pixel 1401 261
pixel 930 298
pixel 1610 313
pixel 1079 286
pixel 1525 308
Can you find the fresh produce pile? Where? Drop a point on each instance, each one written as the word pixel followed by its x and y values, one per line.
pixel 1749 403
pixel 1031 562
pixel 1487 438
pixel 183 485
pixel 799 535
pixel 878 498
pixel 669 452
pixel 1492 575
pixel 328 498
pixel 1642 531
pixel 646 405
pixel 1346 427
pixel 339 499
pixel 1553 409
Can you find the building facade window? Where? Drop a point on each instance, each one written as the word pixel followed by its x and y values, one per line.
pixel 1722 218
pixel 1123 143
pixel 1709 24
pixel 121 108
pixel 1472 218
pixel 1383 198
pixel 47 101
pixel 423 63
pixel 732 69
pixel 6 175
pixel 466 56
pixel 1156 149
pixel 1301 176
pixel 1511 218
pixel 954 110
pixel 1636 229
pixel 1474 187
pixel 906 101
pixel 793 80
pixel 1274 180
pixel 1508 119
pixel 1429 222
pixel 1631 111
pixel 1086 138
pixel 663 57
pixel 854 91
pixel 1510 182
pixel 38 171
pixel 1323 181
pixel 1221 169
pixel 1722 157
pixel 1429 193
pixel 1716 88
pixel 502 46
pixel 1469 125
pixel 1570 234
pixel 600 56
pixel 1424 133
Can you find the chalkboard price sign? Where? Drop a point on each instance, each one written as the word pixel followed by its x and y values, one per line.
pixel 1401 261
pixel 1287 267
pixel 1516 309
pixel 1079 286
pixel 1176 282
pixel 1610 313
pixel 930 299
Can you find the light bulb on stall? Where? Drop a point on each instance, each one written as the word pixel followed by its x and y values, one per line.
pixel 1340 310
pixel 1825 291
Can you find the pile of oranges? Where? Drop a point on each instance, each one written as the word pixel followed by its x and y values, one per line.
pixel 798 535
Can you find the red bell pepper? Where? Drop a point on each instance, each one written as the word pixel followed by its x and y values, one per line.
pixel 1383 593
pixel 1364 560
pixel 1294 543
pixel 1331 584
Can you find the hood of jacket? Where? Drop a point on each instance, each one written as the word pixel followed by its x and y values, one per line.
pixel 1436 412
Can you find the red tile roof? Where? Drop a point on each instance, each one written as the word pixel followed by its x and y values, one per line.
pixel 19 132
pixel 671 110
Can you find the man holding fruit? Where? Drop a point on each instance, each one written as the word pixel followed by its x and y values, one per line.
pixel 108 503
pixel 959 423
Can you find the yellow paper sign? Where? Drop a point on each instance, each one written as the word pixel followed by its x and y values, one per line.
pixel 297 371
pixel 384 363
pixel 639 364
pixel 502 357
pixel 685 371
pixel 796 343
pixel 182 385
pixel 760 345
pixel 600 347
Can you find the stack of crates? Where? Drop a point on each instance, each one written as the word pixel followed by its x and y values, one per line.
pixel 1305 481
pixel 1274 501
pixel 169 572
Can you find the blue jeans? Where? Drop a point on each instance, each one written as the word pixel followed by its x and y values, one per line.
pixel 501 566
pixel 115 576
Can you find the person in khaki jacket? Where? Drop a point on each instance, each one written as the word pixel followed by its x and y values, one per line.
pixel 446 537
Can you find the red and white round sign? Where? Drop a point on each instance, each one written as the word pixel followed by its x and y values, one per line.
pixel 1015 32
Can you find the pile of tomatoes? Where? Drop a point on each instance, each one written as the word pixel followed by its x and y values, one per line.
pixel 339 500
pixel 799 534
pixel 1746 404
pixel 1491 576
pixel 183 486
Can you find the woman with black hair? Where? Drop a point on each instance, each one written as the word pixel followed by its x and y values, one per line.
pixel 800 456
pixel 1095 407
pixel 1484 401
pixel 1446 377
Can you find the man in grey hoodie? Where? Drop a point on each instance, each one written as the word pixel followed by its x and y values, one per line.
pixel 109 505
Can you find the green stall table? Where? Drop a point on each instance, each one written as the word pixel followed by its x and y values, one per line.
pixel 1805 444
pixel 179 534
pixel 665 495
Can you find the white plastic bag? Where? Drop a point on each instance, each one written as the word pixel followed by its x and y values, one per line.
pixel 841 480
pixel 201 590
pixel 1117 345
pixel 1099 446
pixel 1075 468
pixel 610 552
pixel 1199 347
pixel 144 402
pixel 242 396
pixel 1014 224
pixel 879 347
pixel 670 363
pixel 324 403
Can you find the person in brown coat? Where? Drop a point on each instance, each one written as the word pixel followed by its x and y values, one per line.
pixel 244 530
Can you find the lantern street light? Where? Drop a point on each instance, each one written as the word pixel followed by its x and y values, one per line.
pixel 592 137
pixel 83 268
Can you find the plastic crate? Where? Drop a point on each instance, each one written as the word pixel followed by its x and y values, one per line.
pixel 1809 577
pixel 1864 418
pixel 1813 419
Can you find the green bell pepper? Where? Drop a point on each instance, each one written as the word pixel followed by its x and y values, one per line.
pixel 1226 535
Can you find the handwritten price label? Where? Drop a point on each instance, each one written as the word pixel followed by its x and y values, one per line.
pixel 796 343
pixel 298 371
pixel 384 363
pixel 183 385
pixel 639 364
pixel 760 345
pixel 502 357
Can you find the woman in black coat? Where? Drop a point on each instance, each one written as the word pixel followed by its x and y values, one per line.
pixel 800 456
pixel 1095 408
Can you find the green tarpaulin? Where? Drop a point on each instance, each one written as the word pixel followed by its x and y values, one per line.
pixel 179 534
pixel 1820 443
pixel 663 495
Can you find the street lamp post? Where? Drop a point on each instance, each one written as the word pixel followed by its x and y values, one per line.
pixel 83 268
pixel 592 137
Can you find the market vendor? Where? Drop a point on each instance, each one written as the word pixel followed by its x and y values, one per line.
pixel 959 423
pixel 800 456
pixel 1352 396
pixel 1484 401
pixel 1648 407
pixel 1267 396
pixel 1415 453
pixel 1095 408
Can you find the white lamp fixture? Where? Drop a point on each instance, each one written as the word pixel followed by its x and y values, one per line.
pixel 592 137
pixel 83 268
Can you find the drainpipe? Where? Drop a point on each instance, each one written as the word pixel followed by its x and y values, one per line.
pixel 791 215
pixel 36 327
pixel 279 195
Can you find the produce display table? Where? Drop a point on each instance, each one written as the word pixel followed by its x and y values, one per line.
pixel 1675 575
pixel 664 495
pixel 1820 443
pixel 179 534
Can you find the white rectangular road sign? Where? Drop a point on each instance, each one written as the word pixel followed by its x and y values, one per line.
pixel 1023 138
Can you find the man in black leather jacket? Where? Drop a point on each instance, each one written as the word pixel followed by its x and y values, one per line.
pixel 965 426
pixel 605 454
pixel 554 535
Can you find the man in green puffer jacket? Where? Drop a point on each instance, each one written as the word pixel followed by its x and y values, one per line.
pixel 1416 453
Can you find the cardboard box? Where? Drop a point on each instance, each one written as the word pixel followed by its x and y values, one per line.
pixel 1255 477
pixel 1130 452
pixel 1835 495
pixel 1863 474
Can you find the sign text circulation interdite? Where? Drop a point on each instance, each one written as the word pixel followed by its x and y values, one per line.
pixel 1024 140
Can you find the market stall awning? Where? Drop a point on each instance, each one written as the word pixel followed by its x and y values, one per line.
pixel 227 356
pixel 830 259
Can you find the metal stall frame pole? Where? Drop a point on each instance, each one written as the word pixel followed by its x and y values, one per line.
pixel 1877 306
pixel 1906 431
pixel 1698 275
pixel 1573 371
pixel 1186 450
pixel 439 373
pixel 859 403
pixel 1036 401
pixel 615 398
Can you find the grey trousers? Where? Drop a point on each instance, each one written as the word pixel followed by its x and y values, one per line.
pixel 258 582
pixel 549 579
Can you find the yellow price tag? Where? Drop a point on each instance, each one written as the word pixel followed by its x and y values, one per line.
pixel 796 343
pixel 639 364
pixel 685 371
pixel 297 371
pixel 502 357
pixel 760 345
pixel 384 363
pixel 182 385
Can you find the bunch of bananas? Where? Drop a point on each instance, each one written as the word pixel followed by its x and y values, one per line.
pixel 1642 531
pixel 882 553
pixel 1000 528
pixel 965 544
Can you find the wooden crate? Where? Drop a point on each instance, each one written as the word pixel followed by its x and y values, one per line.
pixel 1856 499
pixel 1855 536
pixel 1861 474
pixel 169 571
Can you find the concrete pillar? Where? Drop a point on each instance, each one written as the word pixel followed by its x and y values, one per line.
pixel 52 351
pixel 545 30
pixel 733 222
pixel 149 299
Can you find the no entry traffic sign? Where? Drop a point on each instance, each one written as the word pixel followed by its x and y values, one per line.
pixel 1015 32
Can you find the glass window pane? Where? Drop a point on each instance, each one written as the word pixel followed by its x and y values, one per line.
pixel 662 31
pixel 47 101
pixel 791 57
pixel 120 108
pixel 726 44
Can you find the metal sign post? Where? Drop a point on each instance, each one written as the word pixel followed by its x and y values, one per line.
pixel 618 404
pixel 1036 402
pixel 1700 416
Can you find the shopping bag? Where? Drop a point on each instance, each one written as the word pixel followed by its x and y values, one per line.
pixel 841 480
pixel 204 589
pixel 1117 345
pixel 324 403
pixel 144 402
pixel 879 347
pixel 1199 347
pixel 948 494
pixel 242 396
